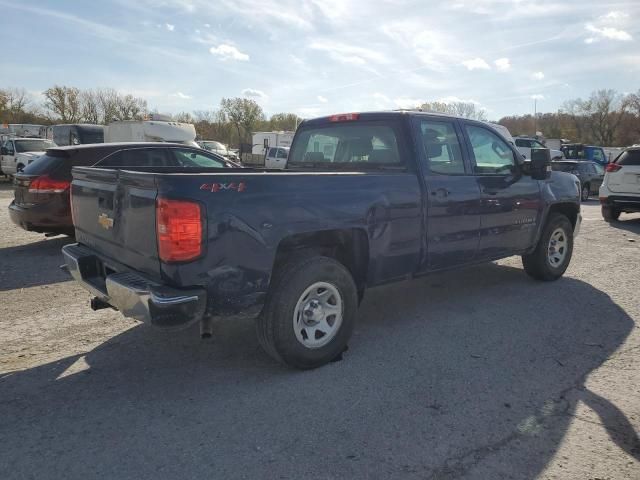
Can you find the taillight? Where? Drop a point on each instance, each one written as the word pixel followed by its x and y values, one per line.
pixel 344 117
pixel 46 184
pixel 612 167
pixel 179 228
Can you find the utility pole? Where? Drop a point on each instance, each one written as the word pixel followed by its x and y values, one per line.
pixel 535 117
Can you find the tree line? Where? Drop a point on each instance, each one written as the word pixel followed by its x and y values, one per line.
pixel 606 118
pixel 231 123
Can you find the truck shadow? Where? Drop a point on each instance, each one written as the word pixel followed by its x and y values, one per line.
pixel 455 373
pixel 18 270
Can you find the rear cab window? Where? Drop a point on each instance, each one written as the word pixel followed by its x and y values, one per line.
pixel 349 145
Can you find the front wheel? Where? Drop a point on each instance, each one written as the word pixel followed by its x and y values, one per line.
pixel 553 253
pixel 310 313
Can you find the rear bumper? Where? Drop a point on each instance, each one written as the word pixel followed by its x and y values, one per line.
pixel 41 218
pixel 625 203
pixel 132 293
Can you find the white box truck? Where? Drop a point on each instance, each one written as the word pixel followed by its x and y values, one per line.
pixel 150 131
pixel 261 141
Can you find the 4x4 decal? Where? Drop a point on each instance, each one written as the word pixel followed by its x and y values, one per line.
pixel 219 187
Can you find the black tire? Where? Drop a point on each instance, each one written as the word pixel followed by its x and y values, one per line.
pixel 538 264
pixel 275 326
pixel 610 214
pixel 586 192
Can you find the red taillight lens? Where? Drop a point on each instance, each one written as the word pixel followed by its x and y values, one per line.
pixel 344 117
pixel 179 228
pixel 613 167
pixel 46 184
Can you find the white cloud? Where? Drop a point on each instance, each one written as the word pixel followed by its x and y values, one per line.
pixel 537 96
pixel 476 64
pixel 170 27
pixel 181 95
pixel 197 31
pixel 322 99
pixel 252 92
pixel 228 52
pixel 454 99
pixel 609 32
pixel 406 102
pixel 614 15
pixel 590 40
pixel 537 76
pixel 349 54
pixel 502 64
pixel 206 25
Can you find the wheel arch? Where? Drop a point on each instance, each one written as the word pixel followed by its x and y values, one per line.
pixel 350 247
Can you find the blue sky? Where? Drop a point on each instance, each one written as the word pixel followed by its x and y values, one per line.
pixel 314 57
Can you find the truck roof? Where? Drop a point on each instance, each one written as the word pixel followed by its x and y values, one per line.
pixel 119 144
pixel 387 114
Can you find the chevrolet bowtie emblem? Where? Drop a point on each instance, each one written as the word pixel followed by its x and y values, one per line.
pixel 104 221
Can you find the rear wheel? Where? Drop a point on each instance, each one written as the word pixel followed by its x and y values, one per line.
pixel 586 191
pixel 610 214
pixel 310 313
pixel 553 253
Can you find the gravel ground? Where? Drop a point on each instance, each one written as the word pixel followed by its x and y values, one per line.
pixel 478 374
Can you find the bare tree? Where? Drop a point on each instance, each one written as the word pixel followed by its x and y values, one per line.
pixel 284 121
pixel 460 109
pixel 130 107
pixel 90 107
pixel 605 110
pixel 63 102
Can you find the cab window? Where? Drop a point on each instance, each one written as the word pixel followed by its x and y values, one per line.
pixel 491 154
pixel 442 148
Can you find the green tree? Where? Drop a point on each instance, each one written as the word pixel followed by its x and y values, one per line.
pixel 243 113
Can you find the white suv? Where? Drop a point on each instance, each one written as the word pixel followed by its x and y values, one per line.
pixel 620 190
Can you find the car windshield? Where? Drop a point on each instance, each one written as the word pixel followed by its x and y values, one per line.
pixel 214 146
pixel 35 145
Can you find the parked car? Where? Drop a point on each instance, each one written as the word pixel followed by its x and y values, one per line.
pixel 525 145
pixel 276 157
pixel 578 151
pixel 620 191
pixel 17 153
pixel 400 195
pixel 76 134
pixel 590 175
pixel 41 194
pixel 215 147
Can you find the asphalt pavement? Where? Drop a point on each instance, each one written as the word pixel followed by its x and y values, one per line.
pixel 473 374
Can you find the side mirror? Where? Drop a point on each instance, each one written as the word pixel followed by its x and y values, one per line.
pixel 539 167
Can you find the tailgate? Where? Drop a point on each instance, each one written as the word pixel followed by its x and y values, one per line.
pixel 115 214
pixel 627 180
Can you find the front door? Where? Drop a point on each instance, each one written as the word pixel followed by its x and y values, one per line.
pixel 511 204
pixel 453 195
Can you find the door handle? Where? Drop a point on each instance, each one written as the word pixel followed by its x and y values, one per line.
pixel 441 193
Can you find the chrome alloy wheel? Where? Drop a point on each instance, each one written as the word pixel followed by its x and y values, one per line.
pixel 318 315
pixel 558 245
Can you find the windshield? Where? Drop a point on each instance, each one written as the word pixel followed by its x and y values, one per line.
pixel 35 145
pixel 214 146
pixel 350 146
pixel 564 167
pixel 91 136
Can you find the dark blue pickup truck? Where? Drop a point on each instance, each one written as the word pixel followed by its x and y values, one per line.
pixel 366 199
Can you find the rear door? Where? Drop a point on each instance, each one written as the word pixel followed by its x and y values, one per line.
pixel 453 195
pixel 626 180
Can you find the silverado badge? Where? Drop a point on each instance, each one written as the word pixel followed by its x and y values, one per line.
pixel 104 221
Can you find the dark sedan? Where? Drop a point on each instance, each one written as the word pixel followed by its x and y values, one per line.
pixel 41 192
pixel 589 173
